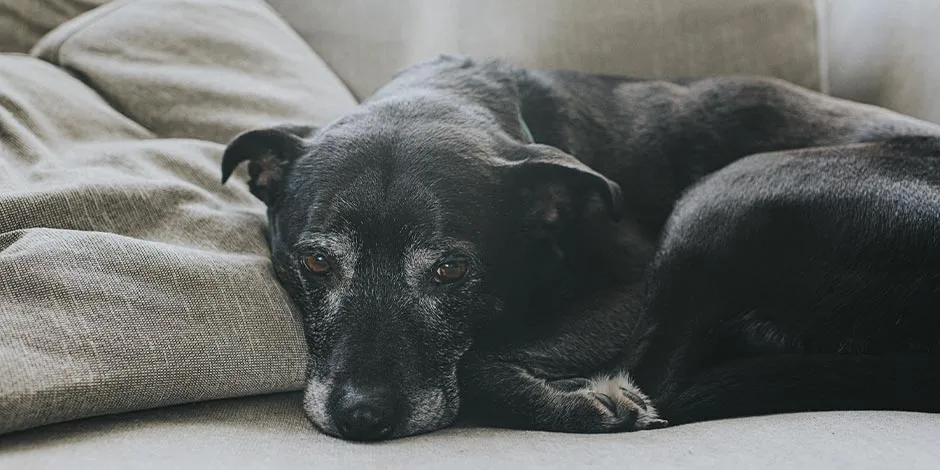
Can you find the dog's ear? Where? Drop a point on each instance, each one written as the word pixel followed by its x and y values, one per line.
pixel 270 152
pixel 554 179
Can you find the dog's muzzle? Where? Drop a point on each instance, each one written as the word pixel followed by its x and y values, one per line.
pixel 371 412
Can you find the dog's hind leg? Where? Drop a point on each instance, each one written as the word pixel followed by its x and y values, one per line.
pixel 794 383
pixel 799 281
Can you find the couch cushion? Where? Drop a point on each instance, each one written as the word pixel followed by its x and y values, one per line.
pixel 204 69
pixel 24 22
pixel 130 277
pixel 365 41
pixel 271 432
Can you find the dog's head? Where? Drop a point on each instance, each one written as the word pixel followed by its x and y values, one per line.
pixel 399 231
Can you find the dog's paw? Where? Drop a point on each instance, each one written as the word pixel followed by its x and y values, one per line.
pixel 618 404
pixel 621 397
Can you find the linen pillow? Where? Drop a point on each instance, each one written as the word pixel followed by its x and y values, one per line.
pixel 130 278
pixel 204 69
pixel 23 22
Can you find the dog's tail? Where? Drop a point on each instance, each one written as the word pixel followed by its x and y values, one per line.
pixel 793 383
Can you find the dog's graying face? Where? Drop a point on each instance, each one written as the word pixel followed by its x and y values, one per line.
pixel 399 231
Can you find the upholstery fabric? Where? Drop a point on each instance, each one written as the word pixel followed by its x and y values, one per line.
pixel 24 22
pixel 271 433
pixel 884 53
pixel 203 69
pixel 365 41
pixel 131 278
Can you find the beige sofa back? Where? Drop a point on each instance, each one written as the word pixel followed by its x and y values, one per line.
pixel 885 53
pixel 874 51
pixel 365 41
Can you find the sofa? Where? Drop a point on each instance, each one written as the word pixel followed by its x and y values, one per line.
pixel 140 324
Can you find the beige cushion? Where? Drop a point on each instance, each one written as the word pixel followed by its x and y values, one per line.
pixel 23 22
pixel 130 277
pixel 365 41
pixel 204 69
pixel 272 433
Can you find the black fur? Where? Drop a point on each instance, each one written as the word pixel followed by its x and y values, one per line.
pixel 739 245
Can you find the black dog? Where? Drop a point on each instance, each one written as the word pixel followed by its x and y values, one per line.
pixel 738 245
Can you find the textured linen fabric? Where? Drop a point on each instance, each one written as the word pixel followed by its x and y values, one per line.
pixel 365 41
pixel 131 278
pixel 204 69
pixel 271 433
pixel 23 22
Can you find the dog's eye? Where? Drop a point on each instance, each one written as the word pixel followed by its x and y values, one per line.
pixel 318 263
pixel 450 271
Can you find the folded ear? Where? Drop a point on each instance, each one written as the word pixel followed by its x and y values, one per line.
pixel 270 152
pixel 554 177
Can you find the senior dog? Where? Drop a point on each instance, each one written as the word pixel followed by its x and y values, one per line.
pixel 552 250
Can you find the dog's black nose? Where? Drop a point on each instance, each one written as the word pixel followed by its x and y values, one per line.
pixel 365 414
pixel 363 422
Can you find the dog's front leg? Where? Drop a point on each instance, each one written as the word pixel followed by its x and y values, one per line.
pixel 552 384
pixel 508 394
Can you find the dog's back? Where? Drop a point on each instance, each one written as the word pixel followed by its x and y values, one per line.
pixel 656 138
